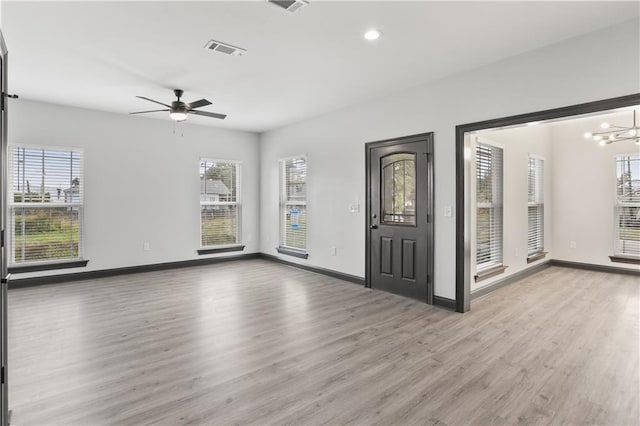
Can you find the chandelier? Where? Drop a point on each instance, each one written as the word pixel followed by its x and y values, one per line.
pixel 610 133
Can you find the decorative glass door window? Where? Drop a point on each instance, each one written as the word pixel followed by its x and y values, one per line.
pixel 398 189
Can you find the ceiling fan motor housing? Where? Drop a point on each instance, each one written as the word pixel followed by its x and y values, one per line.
pixel 178 105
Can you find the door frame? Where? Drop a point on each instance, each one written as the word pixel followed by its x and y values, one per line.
pixel 463 178
pixel 429 192
pixel 4 277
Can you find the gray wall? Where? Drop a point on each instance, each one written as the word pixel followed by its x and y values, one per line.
pixel 580 179
pixel 518 144
pixel 122 150
pixel 584 191
pixel 141 180
pixel 599 65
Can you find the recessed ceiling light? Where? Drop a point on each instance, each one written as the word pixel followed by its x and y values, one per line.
pixel 372 35
pixel 533 123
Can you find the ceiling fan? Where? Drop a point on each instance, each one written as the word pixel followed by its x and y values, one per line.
pixel 178 110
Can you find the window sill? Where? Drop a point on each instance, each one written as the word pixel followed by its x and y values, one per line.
pixel 490 272
pixel 537 256
pixel 293 252
pixel 225 249
pixel 625 259
pixel 36 267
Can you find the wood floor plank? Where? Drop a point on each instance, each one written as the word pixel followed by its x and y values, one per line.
pixel 255 342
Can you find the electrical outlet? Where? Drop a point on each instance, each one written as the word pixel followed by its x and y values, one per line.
pixel 146 246
pixel 354 208
pixel 448 211
pixel 572 244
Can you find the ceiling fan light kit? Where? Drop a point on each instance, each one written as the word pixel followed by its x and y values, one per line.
pixel 611 133
pixel 179 110
pixel 178 115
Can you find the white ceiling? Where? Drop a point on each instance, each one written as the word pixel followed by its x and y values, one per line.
pixel 100 55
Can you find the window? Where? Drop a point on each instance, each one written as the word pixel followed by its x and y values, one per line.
pixel 45 205
pixel 219 203
pixel 293 204
pixel 489 207
pixel 627 206
pixel 399 189
pixel 535 231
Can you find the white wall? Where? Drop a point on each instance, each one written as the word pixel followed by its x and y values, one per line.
pixel 518 144
pixel 584 191
pixel 558 75
pixel 579 180
pixel 141 180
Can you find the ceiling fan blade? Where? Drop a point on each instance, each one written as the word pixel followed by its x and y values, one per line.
pixel 151 100
pixel 198 104
pixel 155 110
pixel 208 114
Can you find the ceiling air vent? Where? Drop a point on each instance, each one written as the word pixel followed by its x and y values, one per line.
pixel 289 5
pixel 225 48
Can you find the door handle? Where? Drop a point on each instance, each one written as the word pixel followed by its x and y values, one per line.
pixel 373 227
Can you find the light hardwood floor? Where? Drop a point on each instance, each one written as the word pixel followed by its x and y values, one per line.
pixel 255 342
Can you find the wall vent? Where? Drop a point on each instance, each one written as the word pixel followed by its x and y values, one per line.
pixel 290 6
pixel 225 48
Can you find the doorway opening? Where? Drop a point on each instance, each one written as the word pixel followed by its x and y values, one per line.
pixel 554 187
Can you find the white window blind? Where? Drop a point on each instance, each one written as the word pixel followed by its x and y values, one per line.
pixel 219 202
pixel 627 206
pixel 293 203
pixel 45 205
pixel 535 231
pixel 489 206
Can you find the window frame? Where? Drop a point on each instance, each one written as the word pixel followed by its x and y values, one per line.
pixel 221 248
pixel 538 203
pixel 49 264
pixel 285 204
pixel 494 266
pixel 622 256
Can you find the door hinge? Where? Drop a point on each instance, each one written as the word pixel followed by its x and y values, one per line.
pixel 2 374
pixel 2 238
pixel 4 97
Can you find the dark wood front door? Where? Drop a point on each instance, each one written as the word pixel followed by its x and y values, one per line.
pixel 400 217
